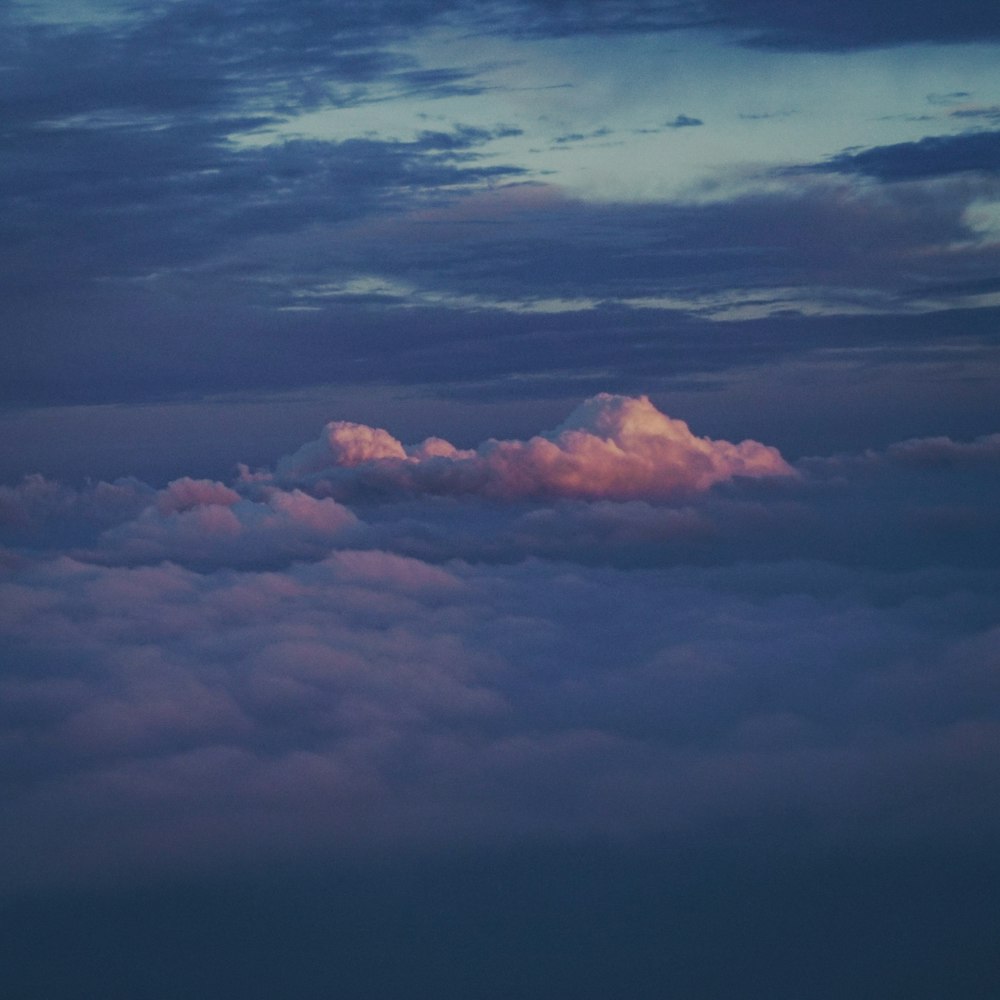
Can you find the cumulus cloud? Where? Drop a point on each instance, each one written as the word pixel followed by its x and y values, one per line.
pixel 613 447
pixel 617 483
pixel 205 523
pixel 188 494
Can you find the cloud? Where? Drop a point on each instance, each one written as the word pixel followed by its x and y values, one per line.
pixel 826 25
pixel 370 703
pixel 820 25
pixel 989 114
pixel 684 259
pixel 943 451
pixel 134 157
pixel 40 511
pixel 614 630
pixel 610 446
pixel 684 121
pixel 641 292
pixel 207 524
pixel 617 483
pixel 187 494
pixel 952 97
pixel 932 156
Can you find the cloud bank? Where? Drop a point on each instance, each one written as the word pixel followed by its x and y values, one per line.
pixel 615 630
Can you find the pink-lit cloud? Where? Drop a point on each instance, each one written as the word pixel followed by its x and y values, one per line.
pixel 199 522
pixel 610 447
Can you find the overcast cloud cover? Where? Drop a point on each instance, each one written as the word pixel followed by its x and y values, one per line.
pixel 499 499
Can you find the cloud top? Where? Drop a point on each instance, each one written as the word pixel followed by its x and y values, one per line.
pixel 610 447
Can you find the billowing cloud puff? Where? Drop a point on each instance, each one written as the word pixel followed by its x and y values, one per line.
pixel 187 494
pixel 344 444
pixel 612 447
pixel 202 523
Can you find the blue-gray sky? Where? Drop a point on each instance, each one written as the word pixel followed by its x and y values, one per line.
pixel 499 499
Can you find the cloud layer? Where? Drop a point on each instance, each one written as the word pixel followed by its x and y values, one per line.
pixel 186 234
pixel 213 675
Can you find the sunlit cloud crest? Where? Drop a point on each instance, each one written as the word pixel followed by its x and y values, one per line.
pixel 610 447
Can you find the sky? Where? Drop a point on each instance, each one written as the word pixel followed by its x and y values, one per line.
pixel 499 499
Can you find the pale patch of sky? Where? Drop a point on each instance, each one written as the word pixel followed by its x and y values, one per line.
pixel 722 306
pixel 760 109
pixel 983 217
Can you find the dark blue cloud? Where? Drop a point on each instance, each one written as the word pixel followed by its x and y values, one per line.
pixel 990 115
pixel 932 156
pixel 952 97
pixel 812 25
pixel 684 121
pixel 574 137
pixel 119 137
pixel 835 25
pixel 304 218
